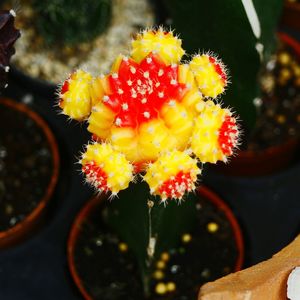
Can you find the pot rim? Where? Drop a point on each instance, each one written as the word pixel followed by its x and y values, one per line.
pixel 88 207
pixel 37 211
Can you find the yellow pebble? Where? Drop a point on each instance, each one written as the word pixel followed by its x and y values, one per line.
pixel 165 256
pixel 212 227
pixel 161 288
pixel 285 74
pixel 158 274
pixel 281 119
pixel 123 247
pixel 160 264
pixel 186 238
pixel 296 70
pixel 171 286
pixel 284 58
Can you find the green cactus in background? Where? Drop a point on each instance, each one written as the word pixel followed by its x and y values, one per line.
pixel 71 22
pixel 237 31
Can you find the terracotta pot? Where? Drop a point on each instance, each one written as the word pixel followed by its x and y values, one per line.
pixel 290 16
pixel 25 227
pixel 88 208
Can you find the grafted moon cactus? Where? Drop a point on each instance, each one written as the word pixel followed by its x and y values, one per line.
pixel 152 115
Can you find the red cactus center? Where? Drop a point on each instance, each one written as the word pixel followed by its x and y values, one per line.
pixel 139 90
pixel 228 135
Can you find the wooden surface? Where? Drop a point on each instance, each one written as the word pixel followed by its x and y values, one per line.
pixel 264 281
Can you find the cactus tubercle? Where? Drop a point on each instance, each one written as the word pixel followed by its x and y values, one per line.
pixel 172 175
pixel 210 74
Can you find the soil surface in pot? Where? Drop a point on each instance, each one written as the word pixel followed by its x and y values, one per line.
pixel 25 166
pixel 53 62
pixel 108 270
pixel 279 107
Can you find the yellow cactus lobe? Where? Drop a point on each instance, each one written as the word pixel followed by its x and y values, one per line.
pixel 116 65
pixel 105 168
pixel 96 91
pixel 213 136
pixel 101 120
pixel 210 75
pixel 165 44
pixel 179 121
pixel 105 85
pixel 186 76
pixel 192 99
pixel 124 140
pixel 173 174
pixel 76 96
pixel 153 138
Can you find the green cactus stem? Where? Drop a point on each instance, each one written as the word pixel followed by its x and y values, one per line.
pixel 149 229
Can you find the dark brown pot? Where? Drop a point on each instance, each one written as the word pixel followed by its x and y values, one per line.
pixel 291 15
pixel 24 228
pixel 88 208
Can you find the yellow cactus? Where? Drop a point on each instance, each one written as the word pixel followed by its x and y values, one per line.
pixel 106 168
pixel 158 41
pixel 215 134
pixel 149 109
pixel 79 93
pixel 75 96
pixel 172 175
pixel 210 75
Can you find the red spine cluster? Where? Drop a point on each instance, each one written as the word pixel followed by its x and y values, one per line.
pixel 228 135
pixel 177 186
pixel 95 175
pixel 219 69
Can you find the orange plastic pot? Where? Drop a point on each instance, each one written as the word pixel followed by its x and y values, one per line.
pixel 88 208
pixel 23 229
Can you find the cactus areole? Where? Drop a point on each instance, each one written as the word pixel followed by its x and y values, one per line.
pixel 152 115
